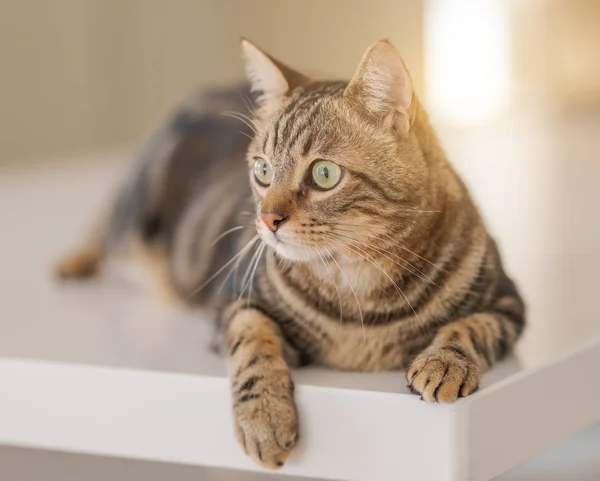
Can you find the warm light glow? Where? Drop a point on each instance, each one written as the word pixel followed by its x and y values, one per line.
pixel 467 59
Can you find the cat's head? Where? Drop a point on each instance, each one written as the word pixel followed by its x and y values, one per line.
pixel 334 165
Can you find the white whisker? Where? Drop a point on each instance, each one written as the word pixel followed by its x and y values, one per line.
pixel 246 280
pixel 362 320
pixel 236 115
pixel 389 238
pixel 260 252
pixel 227 232
pixel 367 258
pixel 248 105
pixel 228 263
pixel 334 284
pixel 388 255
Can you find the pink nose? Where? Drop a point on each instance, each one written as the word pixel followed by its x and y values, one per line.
pixel 273 219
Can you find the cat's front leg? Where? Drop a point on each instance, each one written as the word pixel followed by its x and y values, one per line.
pixel 451 366
pixel 265 416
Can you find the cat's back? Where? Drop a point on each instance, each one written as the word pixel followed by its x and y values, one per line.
pixel 201 188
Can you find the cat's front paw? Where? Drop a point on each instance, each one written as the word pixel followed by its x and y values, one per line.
pixel 443 374
pixel 266 422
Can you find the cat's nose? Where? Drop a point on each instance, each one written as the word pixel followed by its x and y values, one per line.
pixel 274 219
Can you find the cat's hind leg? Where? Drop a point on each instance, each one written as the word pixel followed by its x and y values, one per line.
pixel 135 201
pixel 84 261
pixel 123 219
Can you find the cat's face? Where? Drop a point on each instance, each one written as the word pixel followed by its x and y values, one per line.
pixel 329 175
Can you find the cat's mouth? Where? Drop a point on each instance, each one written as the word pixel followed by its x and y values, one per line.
pixel 289 248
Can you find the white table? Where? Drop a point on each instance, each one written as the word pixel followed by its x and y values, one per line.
pixel 105 369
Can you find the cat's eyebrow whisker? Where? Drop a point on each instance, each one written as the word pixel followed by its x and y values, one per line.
pixel 245 116
pixel 222 268
pixel 367 258
pixel 362 320
pixel 389 255
pixel 248 105
pixel 245 134
pixel 236 115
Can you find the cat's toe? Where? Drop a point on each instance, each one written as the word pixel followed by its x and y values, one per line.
pixel 267 430
pixel 443 375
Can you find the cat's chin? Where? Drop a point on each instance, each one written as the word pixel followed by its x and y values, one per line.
pixel 291 252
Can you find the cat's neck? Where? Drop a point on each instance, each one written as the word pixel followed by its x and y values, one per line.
pixel 365 274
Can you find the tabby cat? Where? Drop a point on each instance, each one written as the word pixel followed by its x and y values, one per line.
pixel 347 240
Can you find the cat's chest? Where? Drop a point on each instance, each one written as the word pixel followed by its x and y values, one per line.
pixel 344 345
pixel 334 330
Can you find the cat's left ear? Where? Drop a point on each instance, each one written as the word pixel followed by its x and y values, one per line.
pixel 268 77
pixel 383 85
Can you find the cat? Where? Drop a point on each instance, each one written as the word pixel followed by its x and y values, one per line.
pixel 361 247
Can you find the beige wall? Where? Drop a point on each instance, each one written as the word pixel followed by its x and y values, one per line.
pixel 80 76
pixel 86 75
pixel 330 36
pixel 557 57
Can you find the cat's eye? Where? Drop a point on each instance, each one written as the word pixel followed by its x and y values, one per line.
pixel 262 172
pixel 325 174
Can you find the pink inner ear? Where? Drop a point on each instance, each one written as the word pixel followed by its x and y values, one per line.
pixel 403 90
pixel 400 85
pixel 383 81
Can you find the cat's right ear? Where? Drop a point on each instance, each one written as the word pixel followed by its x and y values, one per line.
pixel 383 85
pixel 268 77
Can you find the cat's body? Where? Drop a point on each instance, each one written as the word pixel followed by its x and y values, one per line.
pixel 389 267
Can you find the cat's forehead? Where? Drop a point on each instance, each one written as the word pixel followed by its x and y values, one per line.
pixel 297 126
pixel 312 95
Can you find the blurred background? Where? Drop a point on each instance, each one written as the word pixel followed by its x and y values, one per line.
pixel 82 76
pixel 512 87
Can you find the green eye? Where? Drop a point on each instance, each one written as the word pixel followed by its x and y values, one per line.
pixel 262 171
pixel 325 174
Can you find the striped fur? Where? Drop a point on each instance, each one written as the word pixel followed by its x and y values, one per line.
pixel 393 268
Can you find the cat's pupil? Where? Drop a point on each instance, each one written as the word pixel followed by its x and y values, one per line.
pixel 326 172
pixel 264 168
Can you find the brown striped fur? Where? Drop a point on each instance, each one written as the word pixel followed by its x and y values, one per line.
pixel 392 268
